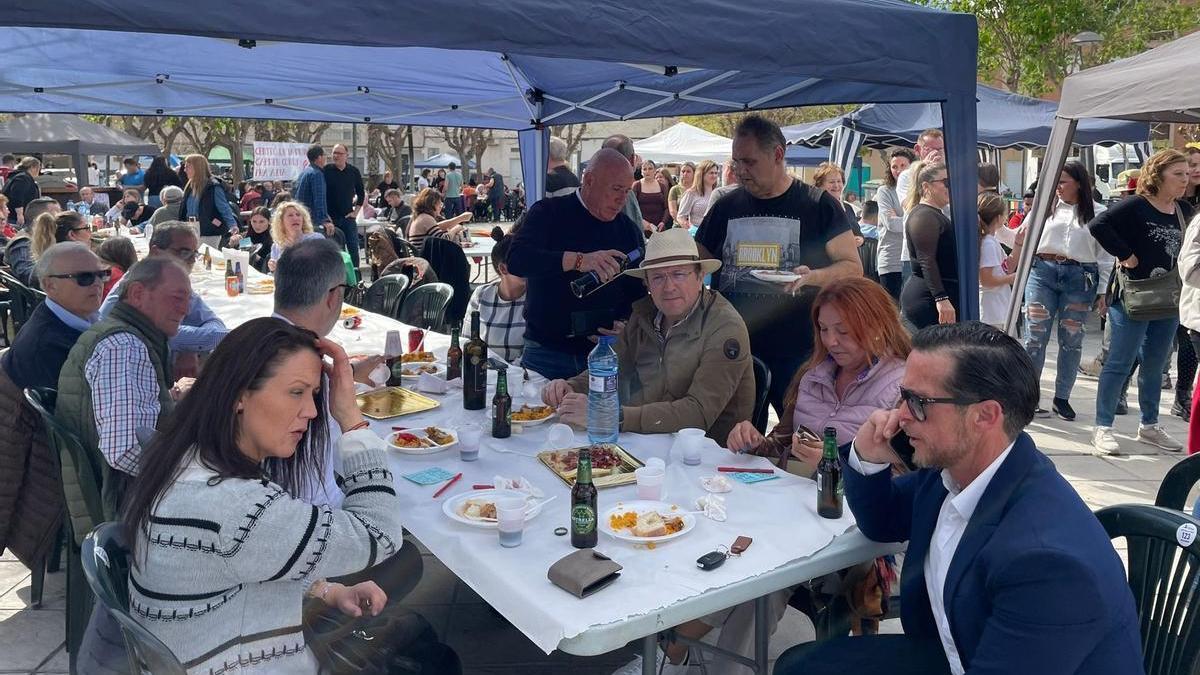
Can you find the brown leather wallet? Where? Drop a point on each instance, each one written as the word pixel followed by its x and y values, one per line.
pixel 584 572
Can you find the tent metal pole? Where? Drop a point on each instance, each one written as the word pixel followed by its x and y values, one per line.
pixel 246 103
pixel 512 73
pixel 803 84
pixel 582 105
pixel 1052 164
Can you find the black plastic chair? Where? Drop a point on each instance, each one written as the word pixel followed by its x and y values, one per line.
pixel 425 306
pixel 762 386
pixel 105 558
pixel 78 469
pixel 1178 483
pixel 867 253
pixel 22 299
pixel 384 296
pixel 1164 575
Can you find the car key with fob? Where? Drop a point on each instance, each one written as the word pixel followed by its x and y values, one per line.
pixel 711 561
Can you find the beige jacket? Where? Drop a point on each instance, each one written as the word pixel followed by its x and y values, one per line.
pixel 701 376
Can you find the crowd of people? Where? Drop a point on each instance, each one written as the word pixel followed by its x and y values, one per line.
pixel 249 442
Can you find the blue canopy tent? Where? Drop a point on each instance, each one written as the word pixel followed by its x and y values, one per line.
pixel 800 155
pixel 440 161
pixel 570 62
pixel 1005 120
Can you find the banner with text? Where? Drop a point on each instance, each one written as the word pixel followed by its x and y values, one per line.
pixel 279 161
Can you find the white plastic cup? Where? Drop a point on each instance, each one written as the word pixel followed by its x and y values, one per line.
pixel 469 436
pixel 650 483
pixel 560 436
pixel 510 520
pixel 689 442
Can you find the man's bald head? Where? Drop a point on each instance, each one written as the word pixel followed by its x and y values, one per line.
pixel 606 184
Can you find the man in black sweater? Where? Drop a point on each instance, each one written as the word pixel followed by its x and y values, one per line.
pixel 344 195
pixel 561 239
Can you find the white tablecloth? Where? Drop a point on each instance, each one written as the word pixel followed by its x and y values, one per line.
pixel 779 514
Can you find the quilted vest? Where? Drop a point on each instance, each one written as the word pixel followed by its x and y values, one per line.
pixel 74 410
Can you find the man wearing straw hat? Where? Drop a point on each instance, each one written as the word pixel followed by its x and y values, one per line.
pixel 684 354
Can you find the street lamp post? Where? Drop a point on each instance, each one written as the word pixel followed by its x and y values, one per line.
pixel 1085 38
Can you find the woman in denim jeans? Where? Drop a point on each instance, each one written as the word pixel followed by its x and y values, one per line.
pixel 1145 234
pixel 1069 276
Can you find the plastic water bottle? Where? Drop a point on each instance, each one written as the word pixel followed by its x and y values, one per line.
pixel 604 408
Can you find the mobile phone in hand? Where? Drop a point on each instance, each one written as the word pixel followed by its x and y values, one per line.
pixel 903 446
pixel 806 435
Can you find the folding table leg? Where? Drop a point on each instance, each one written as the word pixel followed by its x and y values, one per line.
pixel 761 637
pixel 650 654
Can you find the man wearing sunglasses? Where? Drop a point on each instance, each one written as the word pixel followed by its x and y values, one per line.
pixel 1007 570
pixel 202 329
pixel 30 486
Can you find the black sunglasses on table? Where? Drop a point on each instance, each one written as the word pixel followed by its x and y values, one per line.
pixel 916 403
pixel 84 279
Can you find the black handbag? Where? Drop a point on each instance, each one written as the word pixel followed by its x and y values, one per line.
pixel 1153 298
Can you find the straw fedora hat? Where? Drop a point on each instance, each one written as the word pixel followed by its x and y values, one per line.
pixel 672 247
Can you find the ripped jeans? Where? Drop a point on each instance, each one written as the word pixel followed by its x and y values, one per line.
pixel 1059 294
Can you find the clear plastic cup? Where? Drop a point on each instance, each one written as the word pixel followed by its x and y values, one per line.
pixel 650 483
pixel 510 520
pixel 469 436
pixel 559 437
pixel 689 442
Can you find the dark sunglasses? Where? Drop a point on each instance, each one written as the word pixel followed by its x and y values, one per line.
pixel 916 403
pixel 84 279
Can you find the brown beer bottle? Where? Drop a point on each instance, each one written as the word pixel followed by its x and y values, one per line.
pixel 829 478
pixel 501 407
pixel 583 503
pixel 454 355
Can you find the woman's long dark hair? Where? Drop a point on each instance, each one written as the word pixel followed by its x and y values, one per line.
pixel 206 421
pixel 160 173
pixel 1085 208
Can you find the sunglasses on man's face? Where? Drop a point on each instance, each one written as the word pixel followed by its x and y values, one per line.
pixel 917 403
pixel 85 279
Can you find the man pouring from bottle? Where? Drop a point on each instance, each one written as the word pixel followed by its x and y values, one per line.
pixel 709 383
pixel 566 238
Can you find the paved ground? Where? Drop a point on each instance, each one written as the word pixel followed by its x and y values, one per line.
pixel 32 640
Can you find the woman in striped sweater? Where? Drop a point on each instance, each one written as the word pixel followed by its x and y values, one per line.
pixel 223 555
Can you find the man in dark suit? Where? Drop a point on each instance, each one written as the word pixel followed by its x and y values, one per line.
pixel 1007 570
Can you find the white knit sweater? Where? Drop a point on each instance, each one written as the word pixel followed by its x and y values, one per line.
pixel 226 565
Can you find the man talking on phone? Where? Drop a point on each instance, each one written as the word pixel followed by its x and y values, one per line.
pixel 562 239
pixel 1007 570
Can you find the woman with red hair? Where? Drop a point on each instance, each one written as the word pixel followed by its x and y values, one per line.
pixel 856 365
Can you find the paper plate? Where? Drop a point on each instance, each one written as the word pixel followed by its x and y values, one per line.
pixel 451 507
pixel 534 423
pixel 774 276
pixel 440 370
pixel 420 433
pixel 642 506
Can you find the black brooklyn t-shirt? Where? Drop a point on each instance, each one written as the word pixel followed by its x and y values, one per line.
pixel 780 233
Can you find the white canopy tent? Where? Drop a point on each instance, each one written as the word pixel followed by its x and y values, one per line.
pixel 1154 86
pixel 683 142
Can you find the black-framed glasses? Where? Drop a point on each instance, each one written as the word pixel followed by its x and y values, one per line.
pixel 187 255
pixel 84 279
pixel 945 180
pixel 916 403
pixel 81 229
pixel 341 286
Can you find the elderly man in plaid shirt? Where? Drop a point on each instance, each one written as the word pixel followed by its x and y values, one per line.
pixel 117 381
